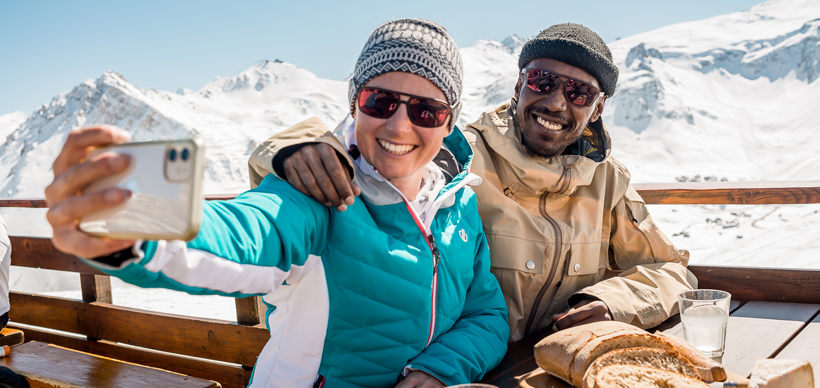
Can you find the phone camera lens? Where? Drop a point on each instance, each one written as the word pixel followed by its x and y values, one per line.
pixel 184 154
pixel 172 155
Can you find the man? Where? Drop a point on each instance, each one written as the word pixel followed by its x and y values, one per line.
pixel 557 208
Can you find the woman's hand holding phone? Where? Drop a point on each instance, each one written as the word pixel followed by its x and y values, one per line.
pixel 73 172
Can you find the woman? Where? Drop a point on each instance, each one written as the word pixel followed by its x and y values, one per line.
pixel 395 289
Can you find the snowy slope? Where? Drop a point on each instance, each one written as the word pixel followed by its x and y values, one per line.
pixel 232 115
pixel 9 122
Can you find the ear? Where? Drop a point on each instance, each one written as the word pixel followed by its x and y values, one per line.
pixel 599 109
pixel 518 84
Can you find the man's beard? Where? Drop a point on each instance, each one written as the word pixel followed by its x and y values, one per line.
pixel 534 148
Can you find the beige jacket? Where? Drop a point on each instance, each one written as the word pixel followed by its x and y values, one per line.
pixel 554 226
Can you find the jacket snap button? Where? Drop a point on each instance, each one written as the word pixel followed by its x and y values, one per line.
pixel 530 265
pixel 577 267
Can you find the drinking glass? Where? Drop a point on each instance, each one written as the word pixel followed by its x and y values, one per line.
pixel 704 314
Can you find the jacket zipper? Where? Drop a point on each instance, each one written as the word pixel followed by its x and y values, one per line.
pixel 556 257
pixel 431 243
pixel 566 178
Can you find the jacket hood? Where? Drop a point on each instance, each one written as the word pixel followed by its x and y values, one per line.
pixel 561 174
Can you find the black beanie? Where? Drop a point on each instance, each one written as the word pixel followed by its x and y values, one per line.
pixel 575 45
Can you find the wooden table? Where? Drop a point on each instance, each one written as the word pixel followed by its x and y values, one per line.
pixel 756 330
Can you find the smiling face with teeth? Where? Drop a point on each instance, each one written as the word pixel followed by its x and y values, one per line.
pixel 396 147
pixel 548 122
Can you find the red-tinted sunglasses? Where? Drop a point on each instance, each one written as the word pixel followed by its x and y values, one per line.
pixel 422 111
pixel 545 82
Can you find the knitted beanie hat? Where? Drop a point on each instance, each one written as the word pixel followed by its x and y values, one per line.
pixel 413 46
pixel 576 45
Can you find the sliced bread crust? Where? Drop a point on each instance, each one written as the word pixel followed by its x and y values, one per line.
pixel 648 357
pixel 556 352
pixel 631 376
pixel 605 344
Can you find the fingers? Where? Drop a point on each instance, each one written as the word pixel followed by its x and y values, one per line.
pixel 316 171
pixel 419 379
pixel 300 168
pixel 292 176
pixel 69 238
pixel 586 311
pixel 592 319
pixel 339 175
pixel 78 176
pixel 78 141
pixel 323 180
pixel 70 209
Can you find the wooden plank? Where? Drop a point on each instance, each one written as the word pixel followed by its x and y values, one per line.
pixel 735 193
pixel 759 329
pixel 688 193
pixel 96 288
pixel 673 325
pixel 45 311
pixel 24 202
pixel 41 203
pixel 191 336
pixel 40 253
pixel 230 376
pixel 250 311
pixel 46 365
pixel 761 284
pixel 806 346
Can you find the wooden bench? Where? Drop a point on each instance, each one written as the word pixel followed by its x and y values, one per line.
pixel 209 349
pixel 49 366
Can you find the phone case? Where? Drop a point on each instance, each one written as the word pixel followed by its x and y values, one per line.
pixel 166 200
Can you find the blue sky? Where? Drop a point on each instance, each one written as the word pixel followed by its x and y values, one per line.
pixel 48 47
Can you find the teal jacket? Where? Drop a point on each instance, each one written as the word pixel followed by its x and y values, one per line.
pixel 355 298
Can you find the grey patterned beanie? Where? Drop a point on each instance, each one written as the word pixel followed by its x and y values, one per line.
pixel 413 46
pixel 576 45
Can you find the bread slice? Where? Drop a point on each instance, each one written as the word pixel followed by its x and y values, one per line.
pixel 601 345
pixel 653 358
pixel 556 352
pixel 709 369
pixel 631 376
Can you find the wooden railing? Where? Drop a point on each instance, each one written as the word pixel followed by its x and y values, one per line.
pixel 226 351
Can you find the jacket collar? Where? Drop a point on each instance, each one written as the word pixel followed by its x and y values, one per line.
pixel 453 160
pixel 533 175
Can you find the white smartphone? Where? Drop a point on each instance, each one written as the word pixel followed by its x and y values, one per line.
pixel 165 179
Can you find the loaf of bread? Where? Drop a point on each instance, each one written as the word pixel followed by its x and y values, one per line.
pixel 556 353
pixel 631 376
pixel 709 369
pixel 648 357
pixel 568 354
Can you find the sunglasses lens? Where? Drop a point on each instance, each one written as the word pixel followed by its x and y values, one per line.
pixel 544 82
pixel 427 113
pixel 378 103
pixel 580 93
pixel 541 81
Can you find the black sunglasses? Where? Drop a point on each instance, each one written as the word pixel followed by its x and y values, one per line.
pixel 545 82
pixel 422 111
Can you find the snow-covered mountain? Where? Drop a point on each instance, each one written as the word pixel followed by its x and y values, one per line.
pixel 732 97
pixel 232 115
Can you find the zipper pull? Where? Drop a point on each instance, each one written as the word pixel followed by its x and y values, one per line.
pixel 436 252
pixel 561 178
